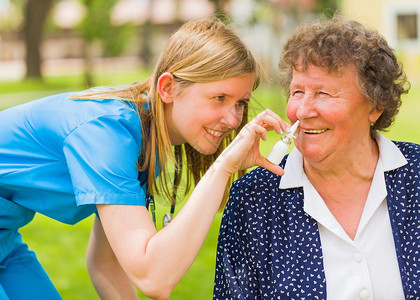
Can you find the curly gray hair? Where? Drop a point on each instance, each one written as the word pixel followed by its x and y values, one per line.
pixel 336 43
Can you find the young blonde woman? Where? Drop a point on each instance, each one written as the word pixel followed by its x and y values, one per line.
pixel 71 155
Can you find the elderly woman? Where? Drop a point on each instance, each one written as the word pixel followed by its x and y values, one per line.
pixel 344 220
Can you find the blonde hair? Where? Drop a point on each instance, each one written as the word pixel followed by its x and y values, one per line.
pixel 200 51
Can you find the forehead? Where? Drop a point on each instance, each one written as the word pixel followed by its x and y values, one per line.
pixel 320 74
pixel 229 86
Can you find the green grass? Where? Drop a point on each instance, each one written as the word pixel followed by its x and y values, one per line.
pixel 17 92
pixel 407 123
pixel 61 248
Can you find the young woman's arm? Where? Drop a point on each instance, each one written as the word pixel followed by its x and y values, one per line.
pixel 156 261
pixel 106 273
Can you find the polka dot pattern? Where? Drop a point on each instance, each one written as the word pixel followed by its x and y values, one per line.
pixel 269 248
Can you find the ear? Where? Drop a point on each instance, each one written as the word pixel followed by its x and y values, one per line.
pixel 375 114
pixel 165 87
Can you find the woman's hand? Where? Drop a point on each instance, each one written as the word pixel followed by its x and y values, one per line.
pixel 244 151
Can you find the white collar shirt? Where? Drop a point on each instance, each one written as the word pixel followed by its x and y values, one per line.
pixel 364 268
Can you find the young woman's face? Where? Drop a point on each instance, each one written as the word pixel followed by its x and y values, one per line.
pixel 204 113
pixel 334 114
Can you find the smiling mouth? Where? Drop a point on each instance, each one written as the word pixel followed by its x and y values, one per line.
pixel 314 131
pixel 215 133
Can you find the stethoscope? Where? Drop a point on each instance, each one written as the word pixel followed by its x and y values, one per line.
pixel 167 218
pixel 150 201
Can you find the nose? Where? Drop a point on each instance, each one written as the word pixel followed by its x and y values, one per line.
pixel 306 107
pixel 232 117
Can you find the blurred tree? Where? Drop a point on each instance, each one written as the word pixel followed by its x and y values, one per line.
pixel 327 7
pixel 145 33
pixel 220 8
pixel 96 27
pixel 11 16
pixel 36 12
pixel 298 8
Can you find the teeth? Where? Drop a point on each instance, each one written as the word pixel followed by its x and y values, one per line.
pixel 315 131
pixel 214 132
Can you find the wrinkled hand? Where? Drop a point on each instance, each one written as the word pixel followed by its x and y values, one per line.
pixel 244 151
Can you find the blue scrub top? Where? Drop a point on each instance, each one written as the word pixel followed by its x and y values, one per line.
pixel 60 156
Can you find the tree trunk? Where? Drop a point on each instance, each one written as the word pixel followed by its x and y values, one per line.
pixel 146 36
pixel 87 55
pixel 219 6
pixel 35 15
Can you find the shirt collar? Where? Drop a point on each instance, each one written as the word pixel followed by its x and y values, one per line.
pixel 389 154
pixel 293 171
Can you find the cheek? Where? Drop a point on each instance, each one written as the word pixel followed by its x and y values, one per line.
pixel 291 109
pixel 239 117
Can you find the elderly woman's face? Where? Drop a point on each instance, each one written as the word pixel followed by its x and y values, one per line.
pixel 334 114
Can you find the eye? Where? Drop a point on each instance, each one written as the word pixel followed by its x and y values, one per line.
pixel 296 93
pixel 242 103
pixel 219 98
pixel 323 94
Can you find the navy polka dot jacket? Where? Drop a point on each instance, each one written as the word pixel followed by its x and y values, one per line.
pixel 270 249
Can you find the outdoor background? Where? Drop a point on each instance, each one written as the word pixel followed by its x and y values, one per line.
pixel 53 46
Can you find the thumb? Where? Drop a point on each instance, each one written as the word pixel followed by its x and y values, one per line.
pixel 265 163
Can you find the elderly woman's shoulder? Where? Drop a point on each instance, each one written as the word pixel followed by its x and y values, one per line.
pixel 409 150
pixel 258 177
pixel 253 191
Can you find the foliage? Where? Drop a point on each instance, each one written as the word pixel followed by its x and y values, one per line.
pixel 97 26
pixel 12 18
pixel 220 6
pixel 97 22
pixel 117 39
pixel 327 7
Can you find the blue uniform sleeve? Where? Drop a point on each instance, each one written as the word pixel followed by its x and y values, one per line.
pixel 236 274
pixel 102 156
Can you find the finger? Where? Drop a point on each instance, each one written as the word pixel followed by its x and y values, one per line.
pixel 265 113
pixel 248 135
pixel 270 123
pixel 257 129
pixel 271 120
pixel 269 112
pixel 265 163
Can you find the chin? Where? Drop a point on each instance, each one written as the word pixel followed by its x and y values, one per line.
pixel 314 157
pixel 311 154
pixel 208 149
